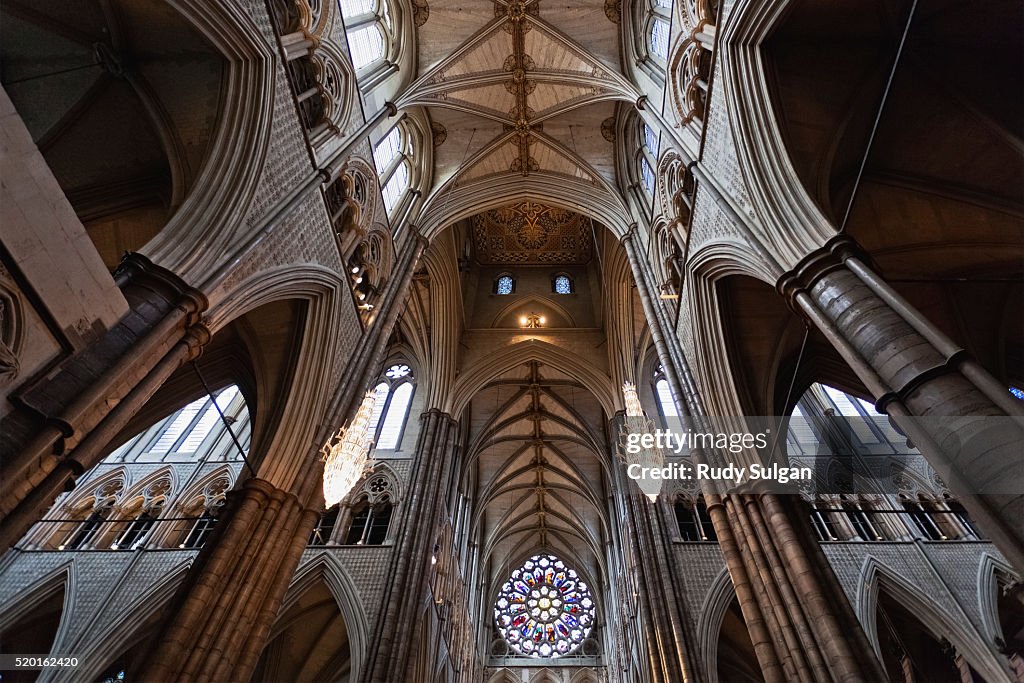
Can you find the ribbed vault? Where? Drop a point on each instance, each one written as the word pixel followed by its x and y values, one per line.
pixel 536 452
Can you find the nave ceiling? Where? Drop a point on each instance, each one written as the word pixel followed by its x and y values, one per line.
pixel 520 90
pixel 535 448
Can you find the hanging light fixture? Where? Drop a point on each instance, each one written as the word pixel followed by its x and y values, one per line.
pixel 637 423
pixel 345 453
pixel 633 407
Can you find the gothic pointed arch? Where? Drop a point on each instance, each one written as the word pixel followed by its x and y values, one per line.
pixel 122 644
pixel 34 618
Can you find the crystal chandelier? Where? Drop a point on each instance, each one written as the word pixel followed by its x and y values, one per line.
pixel 633 407
pixel 345 453
pixel 636 423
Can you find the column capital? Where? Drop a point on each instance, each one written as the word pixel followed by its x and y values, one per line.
pixel 828 258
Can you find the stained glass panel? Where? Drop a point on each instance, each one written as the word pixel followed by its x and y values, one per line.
pixel 544 609
pixel 563 285
pixel 504 285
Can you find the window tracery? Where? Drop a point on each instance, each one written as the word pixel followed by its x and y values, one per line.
pixel 693 519
pixel 504 285
pixel 562 284
pixel 393 156
pixel 318 76
pixel 391 408
pixel 368 28
pixel 544 609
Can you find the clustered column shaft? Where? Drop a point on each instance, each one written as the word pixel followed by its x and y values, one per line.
pixel 408 575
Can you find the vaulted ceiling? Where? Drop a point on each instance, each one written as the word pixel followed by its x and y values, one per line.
pixel 511 94
pixel 535 441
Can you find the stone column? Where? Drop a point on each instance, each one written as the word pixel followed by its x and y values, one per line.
pixel 915 371
pixel 221 616
pixel 407 580
pixel 63 421
pixel 646 542
pixel 802 627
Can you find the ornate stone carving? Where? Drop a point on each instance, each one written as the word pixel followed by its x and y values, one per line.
pixel 529 232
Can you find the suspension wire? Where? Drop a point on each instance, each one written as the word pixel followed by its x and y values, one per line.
pixel 224 419
pixel 878 118
pixel 789 392
pixel 593 231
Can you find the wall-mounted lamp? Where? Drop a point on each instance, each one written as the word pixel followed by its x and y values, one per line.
pixel 532 321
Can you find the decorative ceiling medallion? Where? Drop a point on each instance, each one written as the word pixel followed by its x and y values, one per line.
pixel 608 129
pixel 528 232
pixel 613 10
pixel 420 12
pixel 438 133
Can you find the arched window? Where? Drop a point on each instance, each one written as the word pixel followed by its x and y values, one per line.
pixel 370 524
pixel 823 523
pixel 193 431
pixel 663 392
pixel 90 529
pixel 505 284
pixel 325 526
pixel 394 419
pixel 392 155
pixel 1017 392
pixel 694 521
pixel 561 284
pixel 200 530
pixel 865 528
pixel 135 534
pixel 920 513
pixel 648 156
pixel 659 17
pixel 367 25
pixel 391 407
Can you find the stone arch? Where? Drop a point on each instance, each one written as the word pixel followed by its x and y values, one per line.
pixel 876 577
pixel 988 588
pixel 36 603
pixel 213 213
pixel 11 329
pixel 445 207
pixel 325 570
pixel 507 316
pixel 471 381
pixel 137 621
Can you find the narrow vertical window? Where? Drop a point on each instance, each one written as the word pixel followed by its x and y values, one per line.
pixel 647 174
pixel 665 400
pixel 366 45
pixel 659 38
pixel 394 420
pixel 651 139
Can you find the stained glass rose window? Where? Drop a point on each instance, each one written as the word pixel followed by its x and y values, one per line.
pixel 544 609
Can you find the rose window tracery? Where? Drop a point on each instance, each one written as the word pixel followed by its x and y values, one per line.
pixel 544 609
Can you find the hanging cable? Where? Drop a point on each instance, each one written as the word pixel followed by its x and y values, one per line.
pixel 789 392
pixel 224 419
pixel 878 118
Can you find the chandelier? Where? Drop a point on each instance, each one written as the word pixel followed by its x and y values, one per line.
pixel 633 407
pixel 637 424
pixel 345 453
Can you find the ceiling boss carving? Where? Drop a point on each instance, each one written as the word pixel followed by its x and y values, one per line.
pixel 528 232
pixel 535 91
